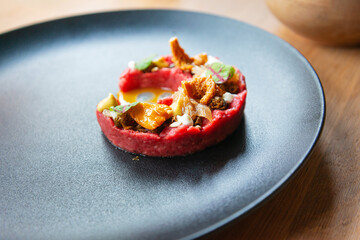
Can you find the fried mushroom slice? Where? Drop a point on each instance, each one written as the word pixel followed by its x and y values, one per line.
pixel 202 89
pixel 150 116
pixel 180 58
pixel 200 59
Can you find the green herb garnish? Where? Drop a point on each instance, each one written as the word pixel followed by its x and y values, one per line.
pixel 123 108
pixel 220 72
pixel 145 63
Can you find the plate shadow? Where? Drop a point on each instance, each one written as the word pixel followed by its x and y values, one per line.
pixel 194 166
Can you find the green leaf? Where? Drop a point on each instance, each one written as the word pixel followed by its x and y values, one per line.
pixel 220 72
pixel 123 108
pixel 145 63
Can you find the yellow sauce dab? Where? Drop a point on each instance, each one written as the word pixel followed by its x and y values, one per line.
pixel 150 95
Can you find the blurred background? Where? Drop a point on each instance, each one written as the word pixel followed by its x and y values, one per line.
pixel 328 21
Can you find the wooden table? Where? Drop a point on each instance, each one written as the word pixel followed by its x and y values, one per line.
pixel 323 200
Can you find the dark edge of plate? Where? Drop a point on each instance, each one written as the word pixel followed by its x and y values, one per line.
pixel 290 175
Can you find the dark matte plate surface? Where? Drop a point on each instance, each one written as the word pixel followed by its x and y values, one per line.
pixel 60 178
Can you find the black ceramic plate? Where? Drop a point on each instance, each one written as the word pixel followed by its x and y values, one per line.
pixel 61 179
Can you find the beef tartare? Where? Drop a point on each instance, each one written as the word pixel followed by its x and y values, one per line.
pixel 173 105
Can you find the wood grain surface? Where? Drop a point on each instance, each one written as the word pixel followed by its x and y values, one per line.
pixel 322 201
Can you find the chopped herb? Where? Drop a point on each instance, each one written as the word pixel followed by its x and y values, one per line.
pixel 123 108
pixel 220 72
pixel 145 63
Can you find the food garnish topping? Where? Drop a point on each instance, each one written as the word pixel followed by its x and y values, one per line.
pixel 220 72
pixel 144 63
pixel 180 58
pixel 106 103
pixel 150 116
pixel 123 108
pixel 213 86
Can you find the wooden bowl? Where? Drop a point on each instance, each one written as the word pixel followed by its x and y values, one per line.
pixel 334 22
